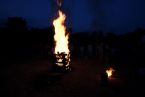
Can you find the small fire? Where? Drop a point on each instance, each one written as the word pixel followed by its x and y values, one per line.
pixel 61 36
pixel 109 72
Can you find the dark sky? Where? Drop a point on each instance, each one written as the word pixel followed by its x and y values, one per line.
pixel 82 15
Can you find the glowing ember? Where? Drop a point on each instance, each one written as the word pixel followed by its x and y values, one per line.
pixel 109 72
pixel 61 37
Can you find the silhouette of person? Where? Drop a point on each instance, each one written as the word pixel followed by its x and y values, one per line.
pixel 104 78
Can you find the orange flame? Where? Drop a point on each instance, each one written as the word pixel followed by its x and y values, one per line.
pixel 60 37
pixel 109 72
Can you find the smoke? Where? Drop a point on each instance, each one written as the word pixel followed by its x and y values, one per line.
pixel 98 12
pixel 105 15
pixel 53 10
pixel 59 2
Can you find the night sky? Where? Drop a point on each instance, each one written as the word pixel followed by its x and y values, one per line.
pixel 117 16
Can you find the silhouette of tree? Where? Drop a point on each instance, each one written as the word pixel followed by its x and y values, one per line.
pixel 16 23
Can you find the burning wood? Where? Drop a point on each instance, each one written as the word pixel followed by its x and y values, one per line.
pixel 61 62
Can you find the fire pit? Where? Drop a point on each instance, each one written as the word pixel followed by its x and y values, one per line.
pixel 61 62
pixel 61 49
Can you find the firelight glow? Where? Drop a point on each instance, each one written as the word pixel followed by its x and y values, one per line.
pixel 109 72
pixel 60 37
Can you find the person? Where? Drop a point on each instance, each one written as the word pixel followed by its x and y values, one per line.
pixel 104 78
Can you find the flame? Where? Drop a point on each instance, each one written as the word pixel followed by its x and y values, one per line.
pixel 109 72
pixel 60 37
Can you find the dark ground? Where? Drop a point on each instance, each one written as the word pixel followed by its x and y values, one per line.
pixel 34 79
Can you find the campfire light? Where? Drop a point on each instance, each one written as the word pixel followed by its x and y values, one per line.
pixel 109 72
pixel 61 36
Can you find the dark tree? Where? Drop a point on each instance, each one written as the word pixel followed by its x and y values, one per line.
pixel 16 23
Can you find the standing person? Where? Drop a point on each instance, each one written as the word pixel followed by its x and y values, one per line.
pixel 104 78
